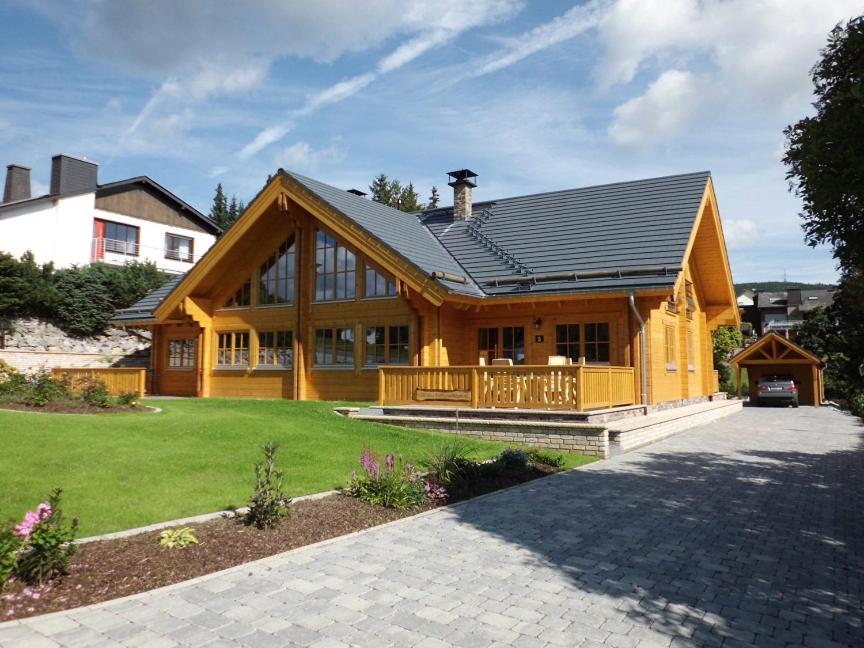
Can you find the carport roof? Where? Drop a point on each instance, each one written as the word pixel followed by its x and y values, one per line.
pixel 774 349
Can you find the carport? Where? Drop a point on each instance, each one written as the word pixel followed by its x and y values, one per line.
pixel 774 354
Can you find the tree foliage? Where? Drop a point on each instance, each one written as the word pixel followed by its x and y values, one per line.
pixel 81 300
pixel 224 212
pixel 825 168
pixel 394 194
pixel 724 342
pixel 825 152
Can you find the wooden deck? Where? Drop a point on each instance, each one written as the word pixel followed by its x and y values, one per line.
pixel 569 387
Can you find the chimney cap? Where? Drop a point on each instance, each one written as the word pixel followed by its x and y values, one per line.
pixel 18 166
pixel 357 192
pixel 462 176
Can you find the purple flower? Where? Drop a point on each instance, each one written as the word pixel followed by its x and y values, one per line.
pixel 367 460
pixel 32 519
pixel 389 459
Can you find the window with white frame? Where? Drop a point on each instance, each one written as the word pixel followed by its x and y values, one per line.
pixel 179 248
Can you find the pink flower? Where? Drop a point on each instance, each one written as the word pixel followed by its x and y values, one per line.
pixel 367 460
pixel 389 459
pixel 32 519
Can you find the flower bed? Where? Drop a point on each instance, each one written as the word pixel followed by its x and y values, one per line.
pixel 108 569
pixel 41 392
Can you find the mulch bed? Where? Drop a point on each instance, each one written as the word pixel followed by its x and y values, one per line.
pixel 69 407
pixel 110 569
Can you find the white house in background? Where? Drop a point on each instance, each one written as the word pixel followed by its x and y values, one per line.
pixel 80 221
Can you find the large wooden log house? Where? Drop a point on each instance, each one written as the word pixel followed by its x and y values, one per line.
pixel 599 297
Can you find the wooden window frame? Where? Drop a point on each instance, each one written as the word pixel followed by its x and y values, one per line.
pixel 274 346
pixel 346 277
pixel 187 361
pixel 390 290
pixel 583 343
pixel 245 297
pixel 387 344
pixel 173 254
pixel 233 349
pixel 670 347
pixel 288 248
pixel 499 350
pixel 335 343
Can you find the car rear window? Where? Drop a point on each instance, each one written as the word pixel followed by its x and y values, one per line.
pixel 776 378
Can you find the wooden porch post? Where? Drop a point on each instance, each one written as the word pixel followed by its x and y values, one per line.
pixel 475 387
pixel 737 380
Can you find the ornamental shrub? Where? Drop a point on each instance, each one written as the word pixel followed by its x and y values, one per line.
pixel 450 462
pixel 396 484
pixel 268 503
pixel 46 542
pixel 512 459
pixel 178 538
pixel 543 458
pixel 94 392
pixel 41 388
pixel 127 399
pixel 856 403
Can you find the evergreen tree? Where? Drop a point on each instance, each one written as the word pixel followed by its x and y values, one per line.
pixel 219 210
pixel 380 190
pixel 233 212
pixel 434 198
pixel 409 201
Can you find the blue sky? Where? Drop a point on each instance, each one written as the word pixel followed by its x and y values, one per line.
pixel 533 96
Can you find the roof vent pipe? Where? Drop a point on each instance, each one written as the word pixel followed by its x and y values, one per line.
pixel 17 183
pixel 462 181
pixel 643 354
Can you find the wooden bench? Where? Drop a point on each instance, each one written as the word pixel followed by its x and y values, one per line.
pixel 456 395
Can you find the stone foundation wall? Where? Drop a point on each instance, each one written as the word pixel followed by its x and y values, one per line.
pixel 585 440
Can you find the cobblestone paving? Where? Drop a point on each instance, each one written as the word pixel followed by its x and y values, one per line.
pixel 747 531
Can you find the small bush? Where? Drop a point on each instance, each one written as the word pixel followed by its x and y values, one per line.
pixel 856 403
pixel 10 544
pixel 450 462
pixel 46 542
pixel 127 399
pixel 396 485
pixel 268 503
pixel 543 458
pixel 178 538
pixel 94 392
pixel 41 388
pixel 511 459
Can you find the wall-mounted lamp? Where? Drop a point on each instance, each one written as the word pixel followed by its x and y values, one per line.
pixel 538 323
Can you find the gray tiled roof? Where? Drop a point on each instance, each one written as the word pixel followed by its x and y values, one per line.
pixel 401 232
pixel 625 226
pixel 142 310
pixel 622 236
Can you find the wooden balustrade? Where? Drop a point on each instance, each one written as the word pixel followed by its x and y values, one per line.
pixel 118 380
pixel 715 381
pixel 573 387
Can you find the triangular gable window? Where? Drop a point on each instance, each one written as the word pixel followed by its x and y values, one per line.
pixel 276 278
pixel 378 285
pixel 241 298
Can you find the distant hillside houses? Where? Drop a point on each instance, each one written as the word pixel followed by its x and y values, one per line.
pixel 780 311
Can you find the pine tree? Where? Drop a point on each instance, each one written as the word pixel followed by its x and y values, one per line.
pixel 233 213
pixel 380 190
pixel 219 210
pixel 409 201
pixel 434 198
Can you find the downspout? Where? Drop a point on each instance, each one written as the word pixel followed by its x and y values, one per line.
pixel 643 353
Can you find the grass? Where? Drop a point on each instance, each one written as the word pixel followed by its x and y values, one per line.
pixel 119 471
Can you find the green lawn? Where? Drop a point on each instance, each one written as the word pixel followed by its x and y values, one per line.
pixel 120 471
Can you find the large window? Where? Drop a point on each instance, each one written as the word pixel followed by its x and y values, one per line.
pixel 119 238
pixel 512 343
pixel 179 248
pixel 274 349
pixel 387 345
pixel 233 349
pixel 567 341
pixel 589 340
pixel 377 285
pixel 334 347
pixel 181 353
pixel 597 342
pixel 241 297
pixel 335 269
pixel 276 285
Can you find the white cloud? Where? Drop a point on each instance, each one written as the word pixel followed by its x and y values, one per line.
pixel 574 22
pixel 663 110
pixel 301 156
pixel 740 233
pixel 264 139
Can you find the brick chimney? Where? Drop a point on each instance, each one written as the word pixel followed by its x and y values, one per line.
pixel 462 181
pixel 71 175
pixel 17 183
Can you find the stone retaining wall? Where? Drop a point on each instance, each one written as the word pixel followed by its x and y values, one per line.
pixel 584 439
pixel 641 436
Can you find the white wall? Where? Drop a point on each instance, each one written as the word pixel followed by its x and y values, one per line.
pixel 61 230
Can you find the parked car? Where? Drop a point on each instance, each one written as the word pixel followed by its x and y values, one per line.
pixel 779 389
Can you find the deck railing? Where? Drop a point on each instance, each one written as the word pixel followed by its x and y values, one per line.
pixel 118 380
pixel 572 387
pixel 715 381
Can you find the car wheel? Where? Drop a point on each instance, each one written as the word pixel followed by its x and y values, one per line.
pixel 795 404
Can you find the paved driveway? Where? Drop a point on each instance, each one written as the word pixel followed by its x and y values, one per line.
pixel 747 531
